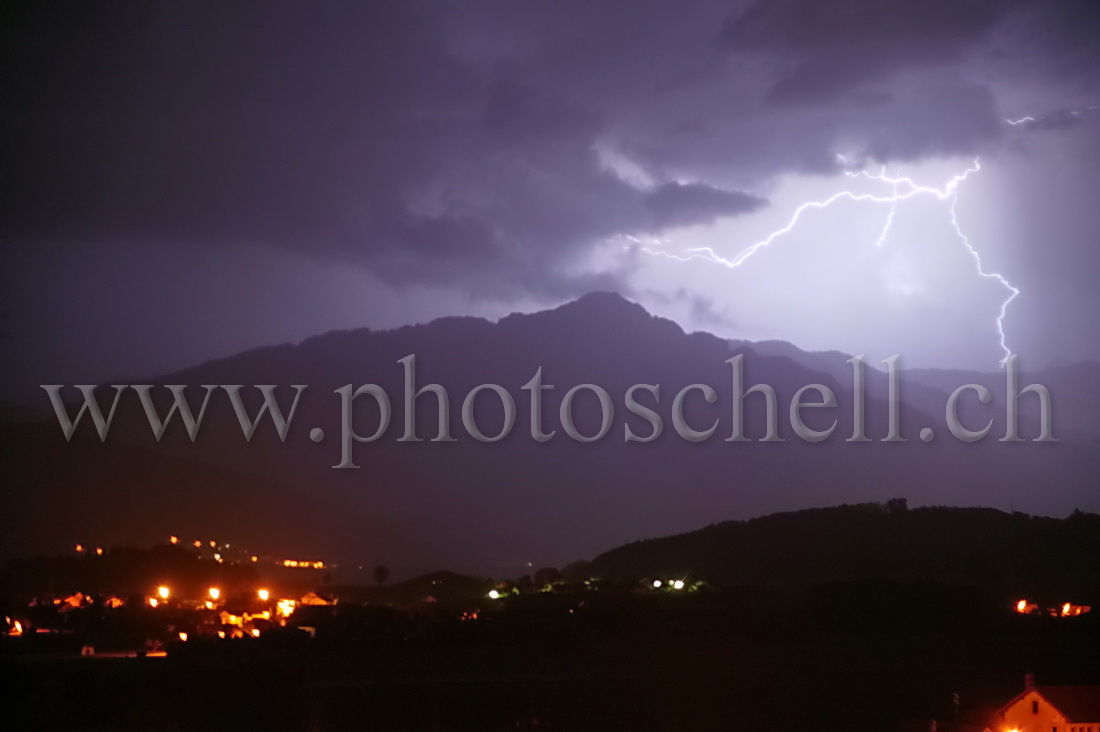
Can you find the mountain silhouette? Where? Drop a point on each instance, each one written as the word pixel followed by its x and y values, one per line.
pixel 495 508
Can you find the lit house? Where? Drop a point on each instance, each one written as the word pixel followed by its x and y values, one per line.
pixel 1053 709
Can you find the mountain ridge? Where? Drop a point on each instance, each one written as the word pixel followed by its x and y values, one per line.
pixel 490 506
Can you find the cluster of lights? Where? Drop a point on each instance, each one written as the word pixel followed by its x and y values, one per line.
pixel 219 549
pixel 283 608
pixel 219 553
pixel 672 584
pixel 303 564
pixel 213 594
pixel 1067 610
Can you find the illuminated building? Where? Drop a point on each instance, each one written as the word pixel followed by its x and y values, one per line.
pixel 1053 708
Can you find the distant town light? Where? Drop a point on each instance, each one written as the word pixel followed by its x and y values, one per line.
pixel 263 595
pixel 255 632
pixel 678 585
pixel 163 592
pixel 197 544
pixel 255 558
pixel 153 602
pixel 221 633
pixel 215 593
pixel 183 636
pixel 656 584
pixel 1021 606
pixel 79 548
pixel 99 550
pixel 493 594
pixel 303 564
pixel 174 539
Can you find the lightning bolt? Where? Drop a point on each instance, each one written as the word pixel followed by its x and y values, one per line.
pixel 1063 114
pixel 902 189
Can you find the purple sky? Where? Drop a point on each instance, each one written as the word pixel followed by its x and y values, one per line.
pixel 185 180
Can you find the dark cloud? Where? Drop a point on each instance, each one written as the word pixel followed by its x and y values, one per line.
pixel 827 48
pixel 457 144
pixel 677 204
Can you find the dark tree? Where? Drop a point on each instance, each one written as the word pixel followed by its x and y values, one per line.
pixel 381 574
pixel 897 505
pixel 547 576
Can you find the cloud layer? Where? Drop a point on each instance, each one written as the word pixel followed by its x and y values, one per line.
pixel 502 151
pixel 457 142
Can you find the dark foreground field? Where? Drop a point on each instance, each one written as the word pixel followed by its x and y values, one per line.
pixel 616 662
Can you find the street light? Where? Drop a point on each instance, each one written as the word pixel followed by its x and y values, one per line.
pixel 163 592
pixel 263 595
pixel 215 593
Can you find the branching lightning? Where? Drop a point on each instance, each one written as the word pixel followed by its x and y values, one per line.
pixel 1061 115
pixel 902 189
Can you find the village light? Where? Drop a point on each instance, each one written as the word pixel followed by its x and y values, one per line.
pixel 678 585
pixel 153 602
pixel 263 595
pixel 215 593
pixel 163 592
pixel 656 584
pixel 174 539
pixel 183 636
pixel 493 594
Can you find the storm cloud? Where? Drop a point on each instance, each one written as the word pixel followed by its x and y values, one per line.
pixel 457 142
pixel 498 150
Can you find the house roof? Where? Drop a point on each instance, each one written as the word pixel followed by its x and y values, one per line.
pixel 1075 703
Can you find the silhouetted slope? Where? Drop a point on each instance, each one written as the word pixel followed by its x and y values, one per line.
pixel 984 547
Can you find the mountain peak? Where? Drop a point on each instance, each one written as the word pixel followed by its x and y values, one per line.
pixel 604 302
pixel 608 309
